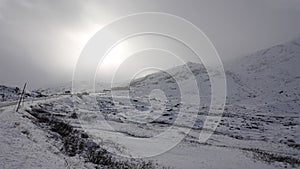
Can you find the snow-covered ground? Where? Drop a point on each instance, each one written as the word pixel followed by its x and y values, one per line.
pixel 24 144
pixel 259 128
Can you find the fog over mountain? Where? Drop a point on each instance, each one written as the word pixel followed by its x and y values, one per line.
pixel 40 41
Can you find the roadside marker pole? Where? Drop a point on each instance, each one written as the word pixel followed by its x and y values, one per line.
pixel 21 97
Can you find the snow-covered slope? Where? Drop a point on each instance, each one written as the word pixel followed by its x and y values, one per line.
pixel 263 100
pixel 270 75
pixel 268 80
pixel 8 94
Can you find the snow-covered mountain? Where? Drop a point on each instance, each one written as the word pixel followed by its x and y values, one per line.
pixel 264 95
pixel 66 88
pixel 13 93
pixel 270 76
pixel 267 76
pixel 9 93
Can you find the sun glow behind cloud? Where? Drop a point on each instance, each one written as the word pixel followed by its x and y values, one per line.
pixel 81 37
pixel 110 63
pixel 77 38
pixel 114 58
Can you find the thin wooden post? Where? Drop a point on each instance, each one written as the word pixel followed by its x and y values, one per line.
pixel 21 97
pixel 3 96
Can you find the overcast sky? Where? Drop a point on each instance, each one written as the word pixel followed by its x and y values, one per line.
pixel 40 40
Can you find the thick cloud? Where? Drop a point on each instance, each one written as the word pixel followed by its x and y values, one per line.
pixel 40 40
